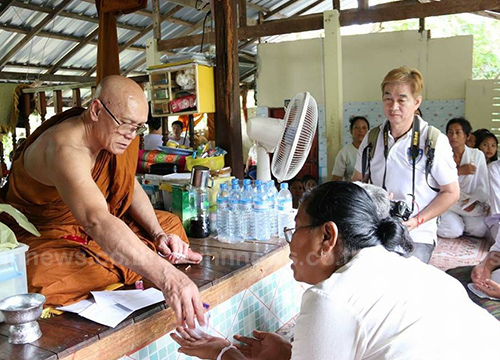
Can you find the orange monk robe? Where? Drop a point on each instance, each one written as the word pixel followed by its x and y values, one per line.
pixel 65 270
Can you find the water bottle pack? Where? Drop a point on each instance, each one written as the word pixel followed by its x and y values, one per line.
pixel 248 212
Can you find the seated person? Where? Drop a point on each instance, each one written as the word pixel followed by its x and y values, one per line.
pixel 297 189
pixel 467 215
pixel 365 302
pixel 154 138
pixel 309 182
pixel 74 179
pixel 176 136
pixel 346 158
pixel 487 142
pixel 251 164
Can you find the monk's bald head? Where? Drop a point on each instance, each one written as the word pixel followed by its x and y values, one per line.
pixel 125 95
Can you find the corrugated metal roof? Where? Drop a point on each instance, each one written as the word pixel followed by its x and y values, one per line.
pixel 44 50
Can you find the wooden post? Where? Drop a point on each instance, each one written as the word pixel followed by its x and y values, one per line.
pixel 227 93
pixel 27 111
pixel 77 98
pixel 242 11
pixel 156 19
pixel 43 105
pixel 58 105
pixel 164 130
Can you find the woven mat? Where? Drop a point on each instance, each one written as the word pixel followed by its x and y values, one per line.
pixel 463 251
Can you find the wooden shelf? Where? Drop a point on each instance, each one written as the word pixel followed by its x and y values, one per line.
pixel 204 88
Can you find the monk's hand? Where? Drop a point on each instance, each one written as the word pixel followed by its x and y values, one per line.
pixel 171 247
pixel 183 297
pixel 199 344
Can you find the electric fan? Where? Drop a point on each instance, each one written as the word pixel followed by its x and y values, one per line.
pixel 290 139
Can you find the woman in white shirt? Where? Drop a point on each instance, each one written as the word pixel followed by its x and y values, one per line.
pixel 366 301
pixel 467 216
pixel 346 158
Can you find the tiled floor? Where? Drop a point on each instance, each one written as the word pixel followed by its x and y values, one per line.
pixel 267 305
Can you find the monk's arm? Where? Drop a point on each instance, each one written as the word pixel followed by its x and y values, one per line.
pixel 78 190
pixel 142 211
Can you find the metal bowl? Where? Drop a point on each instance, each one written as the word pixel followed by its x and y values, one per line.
pixel 23 308
pixel 21 312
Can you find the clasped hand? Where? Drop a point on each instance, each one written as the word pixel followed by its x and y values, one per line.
pixel 263 346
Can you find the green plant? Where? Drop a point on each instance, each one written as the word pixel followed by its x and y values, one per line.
pixel 6 234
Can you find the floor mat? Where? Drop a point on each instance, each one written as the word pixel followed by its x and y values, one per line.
pixel 462 251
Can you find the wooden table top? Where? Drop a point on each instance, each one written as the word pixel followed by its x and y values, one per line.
pixel 72 336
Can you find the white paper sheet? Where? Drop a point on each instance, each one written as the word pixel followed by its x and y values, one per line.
pixel 495 276
pixel 109 315
pixel 112 307
pixel 77 307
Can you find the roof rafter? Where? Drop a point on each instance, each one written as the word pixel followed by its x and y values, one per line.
pixel 58 36
pixel 35 31
pixel 72 15
pixel 399 10
pixel 73 51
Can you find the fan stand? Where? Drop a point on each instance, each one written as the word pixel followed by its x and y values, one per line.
pixel 263 163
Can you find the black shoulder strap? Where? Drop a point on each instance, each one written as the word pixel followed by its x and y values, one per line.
pixel 368 152
pixel 430 147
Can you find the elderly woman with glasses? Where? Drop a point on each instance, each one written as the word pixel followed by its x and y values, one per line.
pixel 366 301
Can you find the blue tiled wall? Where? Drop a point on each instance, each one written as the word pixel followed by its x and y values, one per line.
pixel 267 305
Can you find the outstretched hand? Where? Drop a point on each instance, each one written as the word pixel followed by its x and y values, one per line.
pixel 264 346
pixel 197 343
pixel 490 288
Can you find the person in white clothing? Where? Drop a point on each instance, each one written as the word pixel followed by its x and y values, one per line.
pixel 481 274
pixel 154 139
pixel 366 302
pixel 392 167
pixel 467 216
pixel 346 158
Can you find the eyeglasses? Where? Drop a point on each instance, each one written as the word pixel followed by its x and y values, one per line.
pixel 124 128
pixel 290 231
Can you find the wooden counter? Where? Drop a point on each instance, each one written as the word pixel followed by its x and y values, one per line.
pixel 226 270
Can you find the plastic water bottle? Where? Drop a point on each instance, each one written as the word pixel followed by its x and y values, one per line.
pixel 235 213
pixel 247 214
pixel 246 182
pixel 223 213
pixel 285 206
pixel 257 183
pixel 261 213
pixel 272 194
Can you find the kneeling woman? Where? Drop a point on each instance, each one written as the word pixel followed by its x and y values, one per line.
pixel 366 302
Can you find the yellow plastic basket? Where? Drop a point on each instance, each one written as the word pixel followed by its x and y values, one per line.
pixel 214 163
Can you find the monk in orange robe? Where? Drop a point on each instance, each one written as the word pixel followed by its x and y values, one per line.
pixel 74 179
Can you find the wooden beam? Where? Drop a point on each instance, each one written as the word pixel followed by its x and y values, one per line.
pixel 58 105
pixel 68 14
pixel 227 89
pixel 403 10
pixel 279 8
pixel 336 5
pixel 4 5
pixel 77 98
pixel 308 7
pixel 156 19
pixel 400 10
pixel 488 14
pixel 242 13
pixel 35 31
pixel 363 4
pixel 43 77
pixel 134 66
pixel 268 28
pixel 52 35
pixel 73 51
pixel 58 87
pixel 192 4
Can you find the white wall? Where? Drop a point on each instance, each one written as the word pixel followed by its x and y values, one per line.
pixel 284 69
pixel 479 103
pixel 289 67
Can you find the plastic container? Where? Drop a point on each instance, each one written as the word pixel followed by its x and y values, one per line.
pixel 13 272
pixel 223 213
pixel 214 163
pixel 285 206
